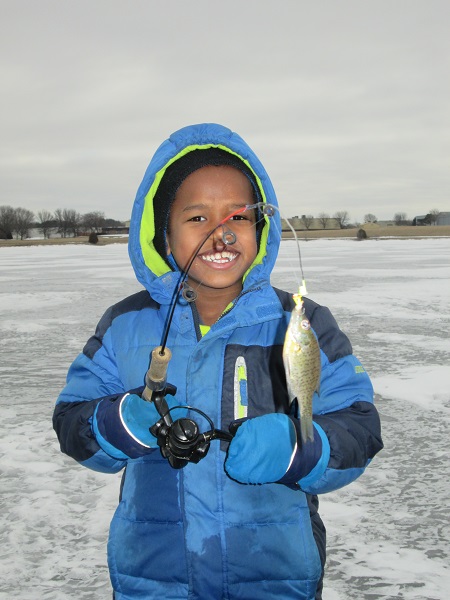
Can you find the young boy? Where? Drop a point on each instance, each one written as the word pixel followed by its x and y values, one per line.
pixel 206 531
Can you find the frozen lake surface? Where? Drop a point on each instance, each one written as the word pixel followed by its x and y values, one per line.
pixel 388 533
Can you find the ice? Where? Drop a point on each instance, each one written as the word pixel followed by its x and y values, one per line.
pixel 387 533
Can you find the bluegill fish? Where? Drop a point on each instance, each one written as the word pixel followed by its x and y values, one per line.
pixel 301 357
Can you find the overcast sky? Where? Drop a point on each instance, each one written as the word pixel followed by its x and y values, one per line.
pixel 346 103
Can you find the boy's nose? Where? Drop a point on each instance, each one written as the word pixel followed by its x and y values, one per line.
pixel 218 241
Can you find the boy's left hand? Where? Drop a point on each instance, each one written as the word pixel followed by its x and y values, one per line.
pixel 262 449
pixel 268 449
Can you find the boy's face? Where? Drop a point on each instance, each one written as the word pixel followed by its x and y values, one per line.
pixel 205 198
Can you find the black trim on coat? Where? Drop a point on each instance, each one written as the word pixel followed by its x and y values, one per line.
pixel 332 341
pixel 357 429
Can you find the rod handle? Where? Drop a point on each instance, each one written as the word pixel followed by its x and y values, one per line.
pixel 155 379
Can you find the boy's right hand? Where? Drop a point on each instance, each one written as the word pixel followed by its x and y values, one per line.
pixel 121 425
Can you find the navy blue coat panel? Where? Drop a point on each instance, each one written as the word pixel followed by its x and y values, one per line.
pixel 195 533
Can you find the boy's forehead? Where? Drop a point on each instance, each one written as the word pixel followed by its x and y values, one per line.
pixel 207 205
pixel 178 172
pixel 215 180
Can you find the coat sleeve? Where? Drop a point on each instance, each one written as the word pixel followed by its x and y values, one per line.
pixel 343 409
pixel 92 377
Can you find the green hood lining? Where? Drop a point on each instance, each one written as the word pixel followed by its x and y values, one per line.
pixel 152 259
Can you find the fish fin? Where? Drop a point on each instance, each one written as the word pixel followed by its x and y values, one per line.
pixel 287 369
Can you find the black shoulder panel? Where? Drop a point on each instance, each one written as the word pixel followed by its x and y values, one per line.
pixel 333 342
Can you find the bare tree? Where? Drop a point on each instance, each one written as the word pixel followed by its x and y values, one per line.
pixel 323 219
pixel 307 220
pixel 434 213
pixel 60 223
pixel 93 221
pixel 23 221
pixel 370 218
pixel 45 222
pixel 342 218
pixel 400 218
pixel 6 222
pixel 72 220
pixel 113 223
pixel 68 221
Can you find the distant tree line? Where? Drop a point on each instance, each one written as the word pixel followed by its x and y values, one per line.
pixel 400 218
pixel 18 222
pixel 341 219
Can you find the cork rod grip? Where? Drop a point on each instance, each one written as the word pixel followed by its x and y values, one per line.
pixel 155 379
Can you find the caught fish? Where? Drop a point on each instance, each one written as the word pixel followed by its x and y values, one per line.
pixel 301 357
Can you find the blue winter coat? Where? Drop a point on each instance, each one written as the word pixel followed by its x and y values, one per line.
pixel 194 533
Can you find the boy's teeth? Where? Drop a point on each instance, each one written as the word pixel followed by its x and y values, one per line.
pixel 219 257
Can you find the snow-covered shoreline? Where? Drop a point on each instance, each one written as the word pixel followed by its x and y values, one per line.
pixel 387 533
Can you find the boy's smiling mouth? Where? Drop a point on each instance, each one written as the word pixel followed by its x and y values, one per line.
pixel 219 258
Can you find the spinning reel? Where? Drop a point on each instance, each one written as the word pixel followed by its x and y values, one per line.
pixel 181 441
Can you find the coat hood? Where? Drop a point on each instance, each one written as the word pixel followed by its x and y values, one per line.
pixel 148 265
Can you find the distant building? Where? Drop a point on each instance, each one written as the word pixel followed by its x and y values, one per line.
pixel 119 230
pixel 421 220
pixel 443 218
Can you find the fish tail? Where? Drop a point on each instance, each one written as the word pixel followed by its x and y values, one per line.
pixel 306 430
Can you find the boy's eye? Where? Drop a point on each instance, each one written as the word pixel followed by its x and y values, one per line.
pixel 242 217
pixel 197 218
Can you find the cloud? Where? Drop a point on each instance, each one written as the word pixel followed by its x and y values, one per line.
pixel 347 104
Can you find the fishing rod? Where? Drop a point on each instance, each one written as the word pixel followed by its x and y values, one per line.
pixel 228 238
pixel 181 441
pixel 155 378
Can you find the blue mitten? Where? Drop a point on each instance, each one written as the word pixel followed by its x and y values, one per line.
pixel 121 425
pixel 267 449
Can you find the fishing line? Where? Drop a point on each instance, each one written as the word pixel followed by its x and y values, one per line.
pixel 184 286
pixel 298 248
pixel 269 211
pixel 229 238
